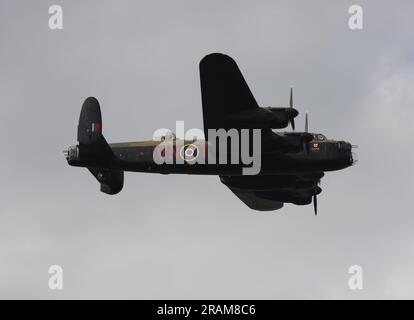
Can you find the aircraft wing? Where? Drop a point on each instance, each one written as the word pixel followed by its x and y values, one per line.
pixel 255 202
pixel 228 104
pixel 224 92
pixel 265 193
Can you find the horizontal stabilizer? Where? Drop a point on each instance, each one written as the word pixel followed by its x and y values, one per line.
pixel 112 181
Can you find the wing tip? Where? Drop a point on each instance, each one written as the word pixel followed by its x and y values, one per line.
pixel 216 57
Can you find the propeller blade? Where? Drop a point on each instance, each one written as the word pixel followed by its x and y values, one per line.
pixel 315 204
pixel 306 122
pixel 306 130
pixel 292 118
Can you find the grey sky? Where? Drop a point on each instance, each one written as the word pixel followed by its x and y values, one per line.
pixel 188 236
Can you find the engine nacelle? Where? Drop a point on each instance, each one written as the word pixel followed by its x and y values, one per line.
pixel 258 118
pixel 292 142
pixel 285 114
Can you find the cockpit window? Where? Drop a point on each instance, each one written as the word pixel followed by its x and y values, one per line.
pixel 167 135
pixel 320 137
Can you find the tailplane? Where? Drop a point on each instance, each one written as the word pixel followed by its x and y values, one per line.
pixel 112 181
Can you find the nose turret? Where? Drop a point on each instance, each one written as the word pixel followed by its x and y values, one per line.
pixel 345 148
pixel 354 157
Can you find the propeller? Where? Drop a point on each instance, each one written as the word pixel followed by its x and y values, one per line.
pixel 306 130
pixel 291 118
pixel 306 122
pixel 315 198
pixel 315 204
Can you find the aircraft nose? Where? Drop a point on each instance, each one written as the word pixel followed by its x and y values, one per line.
pixel 354 158
pixel 346 149
pixel 353 155
pixel 343 145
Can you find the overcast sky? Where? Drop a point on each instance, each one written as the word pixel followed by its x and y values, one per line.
pixel 182 237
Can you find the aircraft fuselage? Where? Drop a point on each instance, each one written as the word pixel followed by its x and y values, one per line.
pixel 327 155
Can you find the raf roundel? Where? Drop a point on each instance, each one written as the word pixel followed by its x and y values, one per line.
pixel 189 152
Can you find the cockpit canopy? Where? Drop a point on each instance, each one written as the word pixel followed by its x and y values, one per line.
pixel 164 134
pixel 319 137
pixel 169 136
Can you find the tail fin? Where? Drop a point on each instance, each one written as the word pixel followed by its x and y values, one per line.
pixel 91 141
pixel 90 122
pixel 93 146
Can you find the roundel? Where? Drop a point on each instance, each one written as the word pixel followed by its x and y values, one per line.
pixel 189 152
